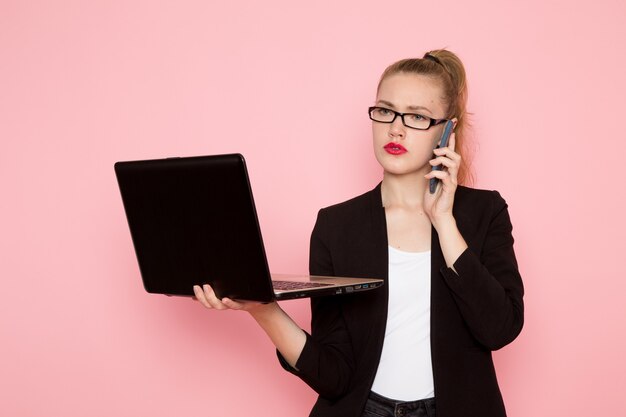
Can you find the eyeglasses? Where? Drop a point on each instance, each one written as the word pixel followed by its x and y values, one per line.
pixel 412 120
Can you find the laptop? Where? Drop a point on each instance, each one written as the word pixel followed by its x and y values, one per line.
pixel 193 221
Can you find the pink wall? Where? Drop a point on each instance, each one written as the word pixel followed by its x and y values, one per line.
pixel 86 83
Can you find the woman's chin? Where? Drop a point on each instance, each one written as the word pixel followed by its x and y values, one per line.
pixel 402 167
pixel 404 171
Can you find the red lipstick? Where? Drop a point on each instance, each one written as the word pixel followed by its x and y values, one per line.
pixel 395 148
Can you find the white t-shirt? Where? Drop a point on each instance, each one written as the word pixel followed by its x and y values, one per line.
pixel 405 371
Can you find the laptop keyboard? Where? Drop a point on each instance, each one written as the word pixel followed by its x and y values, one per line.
pixel 296 285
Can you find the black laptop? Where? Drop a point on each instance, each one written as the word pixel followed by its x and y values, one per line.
pixel 193 221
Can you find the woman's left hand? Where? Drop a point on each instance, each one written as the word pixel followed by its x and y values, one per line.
pixel 438 206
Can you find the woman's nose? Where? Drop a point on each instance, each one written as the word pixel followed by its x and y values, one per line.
pixel 396 128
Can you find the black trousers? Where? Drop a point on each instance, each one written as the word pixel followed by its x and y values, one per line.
pixel 379 406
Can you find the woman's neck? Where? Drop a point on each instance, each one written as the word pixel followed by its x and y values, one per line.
pixel 405 191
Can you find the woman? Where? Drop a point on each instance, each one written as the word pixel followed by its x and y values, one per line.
pixel 453 292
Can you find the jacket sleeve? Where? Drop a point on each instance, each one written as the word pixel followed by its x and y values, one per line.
pixel 488 288
pixel 326 362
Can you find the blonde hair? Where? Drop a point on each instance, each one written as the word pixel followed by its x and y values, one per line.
pixel 445 67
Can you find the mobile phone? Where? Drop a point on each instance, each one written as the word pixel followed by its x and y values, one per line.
pixel 445 136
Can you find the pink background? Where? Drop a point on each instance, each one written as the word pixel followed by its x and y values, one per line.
pixel 86 83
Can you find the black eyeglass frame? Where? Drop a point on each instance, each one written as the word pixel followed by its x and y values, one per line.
pixel 432 122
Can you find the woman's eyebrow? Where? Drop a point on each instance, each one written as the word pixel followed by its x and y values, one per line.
pixel 386 103
pixel 390 104
pixel 419 108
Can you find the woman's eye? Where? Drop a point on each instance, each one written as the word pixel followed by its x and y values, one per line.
pixel 416 117
pixel 383 112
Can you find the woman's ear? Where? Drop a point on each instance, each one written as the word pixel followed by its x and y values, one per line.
pixel 438 143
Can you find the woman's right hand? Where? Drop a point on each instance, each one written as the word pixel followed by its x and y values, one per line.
pixel 288 338
pixel 206 296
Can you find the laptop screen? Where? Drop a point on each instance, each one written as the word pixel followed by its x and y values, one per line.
pixel 193 221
